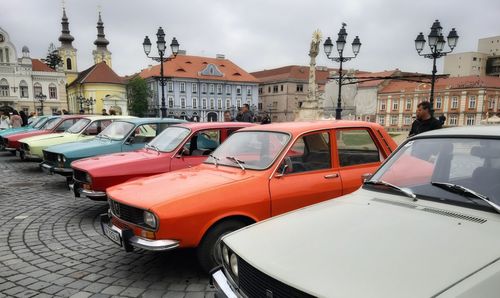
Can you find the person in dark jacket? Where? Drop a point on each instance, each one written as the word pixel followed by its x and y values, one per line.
pixel 246 115
pixel 424 122
pixel 24 117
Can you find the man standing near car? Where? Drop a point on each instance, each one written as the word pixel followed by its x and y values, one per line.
pixel 246 115
pixel 424 121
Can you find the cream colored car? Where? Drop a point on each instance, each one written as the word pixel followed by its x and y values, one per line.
pixel 427 224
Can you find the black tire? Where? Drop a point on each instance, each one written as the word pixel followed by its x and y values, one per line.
pixel 13 153
pixel 208 251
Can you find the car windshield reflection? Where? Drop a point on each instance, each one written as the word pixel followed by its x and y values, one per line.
pixel 470 163
pixel 170 138
pixel 255 150
pixel 117 130
pixel 78 126
pixel 50 123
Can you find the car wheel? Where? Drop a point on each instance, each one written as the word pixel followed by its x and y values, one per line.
pixel 209 254
pixel 22 155
pixel 13 153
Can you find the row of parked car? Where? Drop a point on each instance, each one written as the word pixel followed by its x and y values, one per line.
pixel 422 223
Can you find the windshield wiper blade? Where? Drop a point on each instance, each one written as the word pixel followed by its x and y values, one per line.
pixel 216 159
pixel 455 188
pixel 239 162
pixel 406 192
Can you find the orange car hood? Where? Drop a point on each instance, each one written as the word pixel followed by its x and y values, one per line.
pixel 148 192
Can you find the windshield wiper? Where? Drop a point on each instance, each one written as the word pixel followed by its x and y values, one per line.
pixel 148 146
pixel 216 159
pixel 406 192
pixel 466 192
pixel 239 162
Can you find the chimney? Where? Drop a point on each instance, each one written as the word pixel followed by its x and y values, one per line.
pixel 220 56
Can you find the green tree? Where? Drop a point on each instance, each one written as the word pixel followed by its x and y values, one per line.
pixel 53 60
pixel 138 93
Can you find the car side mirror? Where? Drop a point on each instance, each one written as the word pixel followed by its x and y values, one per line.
pixel 130 140
pixel 183 152
pixel 365 177
pixel 285 167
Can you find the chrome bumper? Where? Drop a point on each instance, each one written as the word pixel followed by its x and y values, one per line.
pixel 91 194
pixel 68 172
pixel 10 149
pixel 223 286
pixel 128 240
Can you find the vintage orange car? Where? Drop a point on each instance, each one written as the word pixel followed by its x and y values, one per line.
pixel 257 173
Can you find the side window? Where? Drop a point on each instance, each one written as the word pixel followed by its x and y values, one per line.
pixel 145 133
pixel 309 153
pixel 91 130
pixel 65 125
pixel 356 146
pixel 203 142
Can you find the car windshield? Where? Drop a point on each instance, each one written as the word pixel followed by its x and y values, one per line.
pixel 255 150
pixel 78 126
pixel 39 122
pixel 51 123
pixel 440 168
pixel 117 130
pixel 170 138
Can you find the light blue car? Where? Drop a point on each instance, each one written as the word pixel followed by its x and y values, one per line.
pixel 36 123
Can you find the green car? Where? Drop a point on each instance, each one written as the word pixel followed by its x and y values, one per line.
pixel 84 129
pixel 120 136
pixel 36 123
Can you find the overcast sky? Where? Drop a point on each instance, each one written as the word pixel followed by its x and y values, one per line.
pixel 255 34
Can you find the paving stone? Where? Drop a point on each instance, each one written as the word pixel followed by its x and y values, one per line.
pixel 113 290
pixel 132 292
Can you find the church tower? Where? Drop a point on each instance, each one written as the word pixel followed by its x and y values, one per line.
pixel 101 52
pixel 67 51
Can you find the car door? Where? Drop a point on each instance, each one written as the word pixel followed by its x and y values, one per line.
pixel 357 154
pixel 141 135
pixel 196 149
pixel 306 174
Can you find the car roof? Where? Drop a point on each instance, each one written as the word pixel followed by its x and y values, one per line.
pixel 100 117
pixel 208 125
pixel 464 131
pixel 304 126
pixel 71 116
pixel 152 120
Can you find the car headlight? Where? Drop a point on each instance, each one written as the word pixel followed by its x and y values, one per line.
pixel 63 159
pixel 225 254
pixel 233 264
pixel 150 219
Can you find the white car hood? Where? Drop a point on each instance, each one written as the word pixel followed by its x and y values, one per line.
pixel 371 244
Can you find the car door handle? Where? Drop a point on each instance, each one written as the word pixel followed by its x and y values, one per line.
pixel 331 176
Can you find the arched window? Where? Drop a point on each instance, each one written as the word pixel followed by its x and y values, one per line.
pixel 212 104
pixel 68 64
pixel 52 91
pixel 4 87
pixel 204 103
pixel 37 89
pixel 23 89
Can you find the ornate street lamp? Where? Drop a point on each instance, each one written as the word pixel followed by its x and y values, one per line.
pixel 88 102
pixel 161 45
pixel 436 45
pixel 41 98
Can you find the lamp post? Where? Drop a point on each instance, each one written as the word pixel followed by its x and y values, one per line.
pixel 161 45
pixel 41 98
pixel 88 102
pixel 436 45
pixel 328 47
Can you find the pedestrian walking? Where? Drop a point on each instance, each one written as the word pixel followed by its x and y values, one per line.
pixel 424 122
pixel 16 120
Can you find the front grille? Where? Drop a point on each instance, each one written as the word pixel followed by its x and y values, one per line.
pixel 50 157
pixel 80 176
pixel 3 141
pixel 127 213
pixel 254 283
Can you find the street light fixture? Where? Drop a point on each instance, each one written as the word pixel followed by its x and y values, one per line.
pixel 88 102
pixel 41 98
pixel 328 47
pixel 161 45
pixel 436 45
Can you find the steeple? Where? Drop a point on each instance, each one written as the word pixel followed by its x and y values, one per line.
pixel 101 41
pixel 66 39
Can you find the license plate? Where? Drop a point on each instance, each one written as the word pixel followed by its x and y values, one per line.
pixel 112 234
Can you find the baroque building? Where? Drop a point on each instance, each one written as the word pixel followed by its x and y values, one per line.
pixel 24 79
pixel 201 88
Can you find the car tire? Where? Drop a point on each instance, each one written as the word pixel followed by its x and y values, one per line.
pixel 208 251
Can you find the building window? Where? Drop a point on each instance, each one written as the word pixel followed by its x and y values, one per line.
pixel 472 102
pixel 182 87
pixel 470 120
pixel 238 103
pixel 219 89
pixel 4 88
pixel 249 90
pixel 260 90
pixel 1 55
pixel 269 89
pixel 211 88
pixel 300 88
pixel 212 104
pixel 69 65
pixel 453 120
pixel 54 110
pixel 408 104
pixel 195 102
pixel 491 103
pixel 23 89
pixel 395 104
pixel 454 102
pixel 203 88
pixel 194 87
pixel 228 89
pixel 238 90
pixel 52 92
pixel 394 119
pixel 281 88
pixel 170 86
pixel 183 102
pixel 228 103
pixel 407 120
pixel 382 105
pixel 381 120
pixel 37 89
pixel 219 103
pixel 204 103
pixel 170 102
pixel 438 103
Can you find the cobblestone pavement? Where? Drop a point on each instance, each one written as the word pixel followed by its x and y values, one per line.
pixel 52 245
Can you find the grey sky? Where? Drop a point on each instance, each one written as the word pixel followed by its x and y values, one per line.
pixel 255 34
